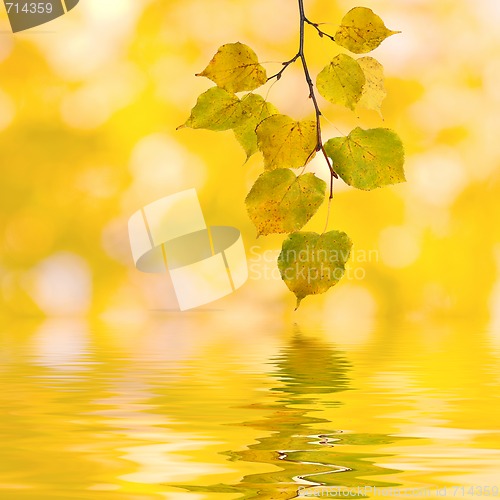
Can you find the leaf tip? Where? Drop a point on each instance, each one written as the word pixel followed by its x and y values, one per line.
pixel 297 305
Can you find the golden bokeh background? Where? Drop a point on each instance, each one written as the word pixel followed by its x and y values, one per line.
pixel 89 106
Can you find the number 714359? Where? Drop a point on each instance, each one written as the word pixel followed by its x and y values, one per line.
pixel 29 8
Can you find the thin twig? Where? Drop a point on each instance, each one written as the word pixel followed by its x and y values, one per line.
pixel 285 65
pixel 321 33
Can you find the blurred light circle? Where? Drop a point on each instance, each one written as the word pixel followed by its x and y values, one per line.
pixel 85 109
pixel 159 166
pixel 399 246
pixel 62 284
pixel 437 177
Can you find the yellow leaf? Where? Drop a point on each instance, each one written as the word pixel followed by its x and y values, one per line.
pixel 311 263
pixel 255 110
pixel 342 81
pixel 286 143
pixel 368 159
pixel 216 110
pixel 362 31
pixel 374 90
pixel 235 68
pixel 280 202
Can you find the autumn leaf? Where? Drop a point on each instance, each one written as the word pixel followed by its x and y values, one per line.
pixel 255 110
pixel 362 31
pixel 374 90
pixel 216 110
pixel 286 143
pixel 280 202
pixel 311 263
pixel 342 81
pixel 367 159
pixel 235 68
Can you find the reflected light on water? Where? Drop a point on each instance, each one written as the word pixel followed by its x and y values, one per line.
pixel 184 407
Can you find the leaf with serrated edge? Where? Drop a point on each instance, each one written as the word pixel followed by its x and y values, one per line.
pixel 342 81
pixel 374 91
pixel 216 110
pixel 367 159
pixel 235 68
pixel 280 202
pixel 362 31
pixel 255 110
pixel 286 143
pixel 311 263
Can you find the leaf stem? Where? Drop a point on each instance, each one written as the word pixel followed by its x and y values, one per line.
pixel 328 211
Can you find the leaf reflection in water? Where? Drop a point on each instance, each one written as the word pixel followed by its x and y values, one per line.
pixel 309 372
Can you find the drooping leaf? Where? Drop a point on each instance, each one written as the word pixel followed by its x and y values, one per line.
pixel 367 159
pixel 311 263
pixel 255 110
pixel 362 31
pixel 342 81
pixel 235 68
pixel 280 202
pixel 286 143
pixel 374 90
pixel 216 110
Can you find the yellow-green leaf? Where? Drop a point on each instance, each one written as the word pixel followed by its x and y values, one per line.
pixel 216 110
pixel 342 81
pixel 286 143
pixel 280 202
pixel 362 31
pixel 367 159
pixel 255 110
pixel 311 263
pixel 374 91
pixel 235 68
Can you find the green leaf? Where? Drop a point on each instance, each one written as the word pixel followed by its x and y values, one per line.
pixel 280 202
pixel 311 263
pixel 255 110
pixel 286 143
pixel 374 90
pixel 235 68
pixel 362 31
pixel 216 110
pixel 367 159
pixel 342 81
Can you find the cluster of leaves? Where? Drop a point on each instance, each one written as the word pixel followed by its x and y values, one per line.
pixel 281 201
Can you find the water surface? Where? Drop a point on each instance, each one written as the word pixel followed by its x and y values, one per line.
pixel 199 406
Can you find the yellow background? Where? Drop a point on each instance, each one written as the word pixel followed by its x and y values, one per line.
pixel 401 366
pixel 89 104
